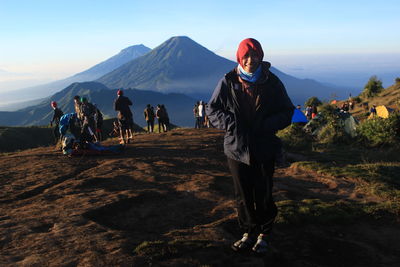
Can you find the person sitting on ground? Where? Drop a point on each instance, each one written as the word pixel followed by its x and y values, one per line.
pixel 115 131
pixel 373 110
pixel 308 112
pixel 56 120
pixel 314 111
pixel 125 117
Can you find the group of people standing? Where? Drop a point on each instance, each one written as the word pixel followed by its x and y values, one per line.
pixel 162 116
pixel 90 119
pixel 201 118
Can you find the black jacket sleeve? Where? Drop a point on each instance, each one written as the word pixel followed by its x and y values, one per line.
pixel 284 112
pixel 218 114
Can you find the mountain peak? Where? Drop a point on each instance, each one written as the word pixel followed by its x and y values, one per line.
pixel 177 65
pixel 179 38
pixel 140 48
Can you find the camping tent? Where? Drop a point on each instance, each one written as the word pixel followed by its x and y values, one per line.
pixel 298 116
pixel 381 111
pixel 347 122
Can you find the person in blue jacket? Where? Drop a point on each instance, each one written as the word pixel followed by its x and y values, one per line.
pixel 251 104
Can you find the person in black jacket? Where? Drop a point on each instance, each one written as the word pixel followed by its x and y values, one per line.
pixel 251 104
pixel 56 120
pixel 87 115
pixel 125 117
pixel 149 117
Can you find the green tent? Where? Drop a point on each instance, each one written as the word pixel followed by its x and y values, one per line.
pixel 348 123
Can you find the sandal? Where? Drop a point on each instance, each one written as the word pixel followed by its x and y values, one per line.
pixel 261 246
pixel 243 244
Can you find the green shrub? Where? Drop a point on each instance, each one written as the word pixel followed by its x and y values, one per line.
pixel 357 99
pixel 397 80
pixel 373 87
pixel 294 138
pixel 331 127
pixel 313 101
pixel 380 131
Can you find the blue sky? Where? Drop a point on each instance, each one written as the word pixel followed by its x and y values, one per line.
pixel 46 40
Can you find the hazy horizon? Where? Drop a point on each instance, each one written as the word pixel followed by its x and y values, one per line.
pixel 353 70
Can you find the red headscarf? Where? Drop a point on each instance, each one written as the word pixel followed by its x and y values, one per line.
pixel 246 45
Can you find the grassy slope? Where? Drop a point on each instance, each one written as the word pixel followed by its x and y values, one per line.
pixel 19 138
pixel 377 169
pixel 389 97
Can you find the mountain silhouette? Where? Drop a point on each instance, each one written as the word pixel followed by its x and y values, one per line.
pixel 45 90
pixel 177 65
pixel 182 65
pixel 112 63
pixel 179 106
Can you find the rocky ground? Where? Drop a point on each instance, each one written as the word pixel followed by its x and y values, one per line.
pixel 167 200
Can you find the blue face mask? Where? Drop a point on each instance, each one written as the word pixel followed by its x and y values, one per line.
pixel 250 77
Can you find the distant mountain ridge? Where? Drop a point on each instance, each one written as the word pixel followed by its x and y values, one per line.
pixel 126 55
pixel 45 90
pixel 179 106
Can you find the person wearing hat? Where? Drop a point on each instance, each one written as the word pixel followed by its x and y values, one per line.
pixel 56 120
pixel 125 117
pixel 251 104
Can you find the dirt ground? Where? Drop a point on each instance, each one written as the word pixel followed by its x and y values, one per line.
pixel 174 191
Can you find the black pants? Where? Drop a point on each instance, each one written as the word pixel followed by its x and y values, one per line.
pixel 150 126
pixel 197 124
pixel 56 133
pixel 160 125
pixel 253 194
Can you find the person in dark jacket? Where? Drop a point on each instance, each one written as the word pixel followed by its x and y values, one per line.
pixel 125 117
pixel 160 114
pixel 251 104
pixel 99 124
pixel 77 108
pixel 87 115
pixel 56 120
pixel 149 117
pixel 197 123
